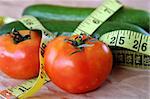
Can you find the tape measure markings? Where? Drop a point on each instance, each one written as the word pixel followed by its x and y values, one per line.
pixel 131 58
pixel 129 34
pixel 97 17
pixel 21 87
pixel 30 87
pixel 137 42
pixel 88 26
pixel 23 91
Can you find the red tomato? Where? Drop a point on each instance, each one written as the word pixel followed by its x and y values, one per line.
pixel 77 69
pixel 20 60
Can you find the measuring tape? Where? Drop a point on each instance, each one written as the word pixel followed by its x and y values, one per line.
pixel 32 86
pixel 138 43
pixel 128 39
pixel 130 59
pixel 91 23
pixel 98 17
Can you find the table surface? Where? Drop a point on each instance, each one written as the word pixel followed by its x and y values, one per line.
pixel 122 83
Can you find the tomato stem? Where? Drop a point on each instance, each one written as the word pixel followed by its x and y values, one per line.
pixel 17 37
pixel 79 42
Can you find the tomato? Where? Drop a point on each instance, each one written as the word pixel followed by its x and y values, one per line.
pixel 77 64
pixel 19 54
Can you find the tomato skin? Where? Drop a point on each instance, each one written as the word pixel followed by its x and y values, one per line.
pixel 20 61
pixel 80 72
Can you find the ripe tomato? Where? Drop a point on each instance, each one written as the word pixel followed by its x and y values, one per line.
pixel 19 54
pixel 77 64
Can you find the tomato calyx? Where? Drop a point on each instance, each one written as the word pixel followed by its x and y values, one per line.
pixel 17 37
pixel 79 42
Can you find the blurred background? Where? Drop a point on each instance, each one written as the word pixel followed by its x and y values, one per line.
pixel 14 8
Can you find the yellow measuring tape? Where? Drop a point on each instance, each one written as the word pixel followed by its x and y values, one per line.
pixel 98 17
pixel 138 43
pixel 128 39
pixel 32 86
pixel 130 59
pixel 91 23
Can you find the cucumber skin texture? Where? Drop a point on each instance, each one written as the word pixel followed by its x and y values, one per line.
pixel 46 12
pixel 52 12
pixel 6 28
pixel 111 26
pixel 133 16
pixel 104 28
pixel 51 26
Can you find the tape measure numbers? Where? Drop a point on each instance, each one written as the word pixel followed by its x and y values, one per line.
pixel 91 23
pixel 31 22
pixel 128 39
pixel 121 38
pixel 98 17
pixel 130 59
pixel 32 86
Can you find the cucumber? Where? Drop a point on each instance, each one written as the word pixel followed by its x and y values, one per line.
pixel 51 13
pixel 6 28
pixel 111 26
pixel 133 16
pixel 53 26
pixel 104 28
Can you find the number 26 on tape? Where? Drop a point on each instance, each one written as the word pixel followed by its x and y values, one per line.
pixel 128 39
pixel 143 46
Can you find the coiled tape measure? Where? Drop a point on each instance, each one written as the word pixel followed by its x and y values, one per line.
pixel 138 55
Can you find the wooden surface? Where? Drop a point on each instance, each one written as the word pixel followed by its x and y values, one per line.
pixel 122 84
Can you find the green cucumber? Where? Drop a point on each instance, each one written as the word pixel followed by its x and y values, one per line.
pixel 111 26
pixel 133 16
pixel 53 26
pixel 51 13
pixel 104 28
pixel 6 28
